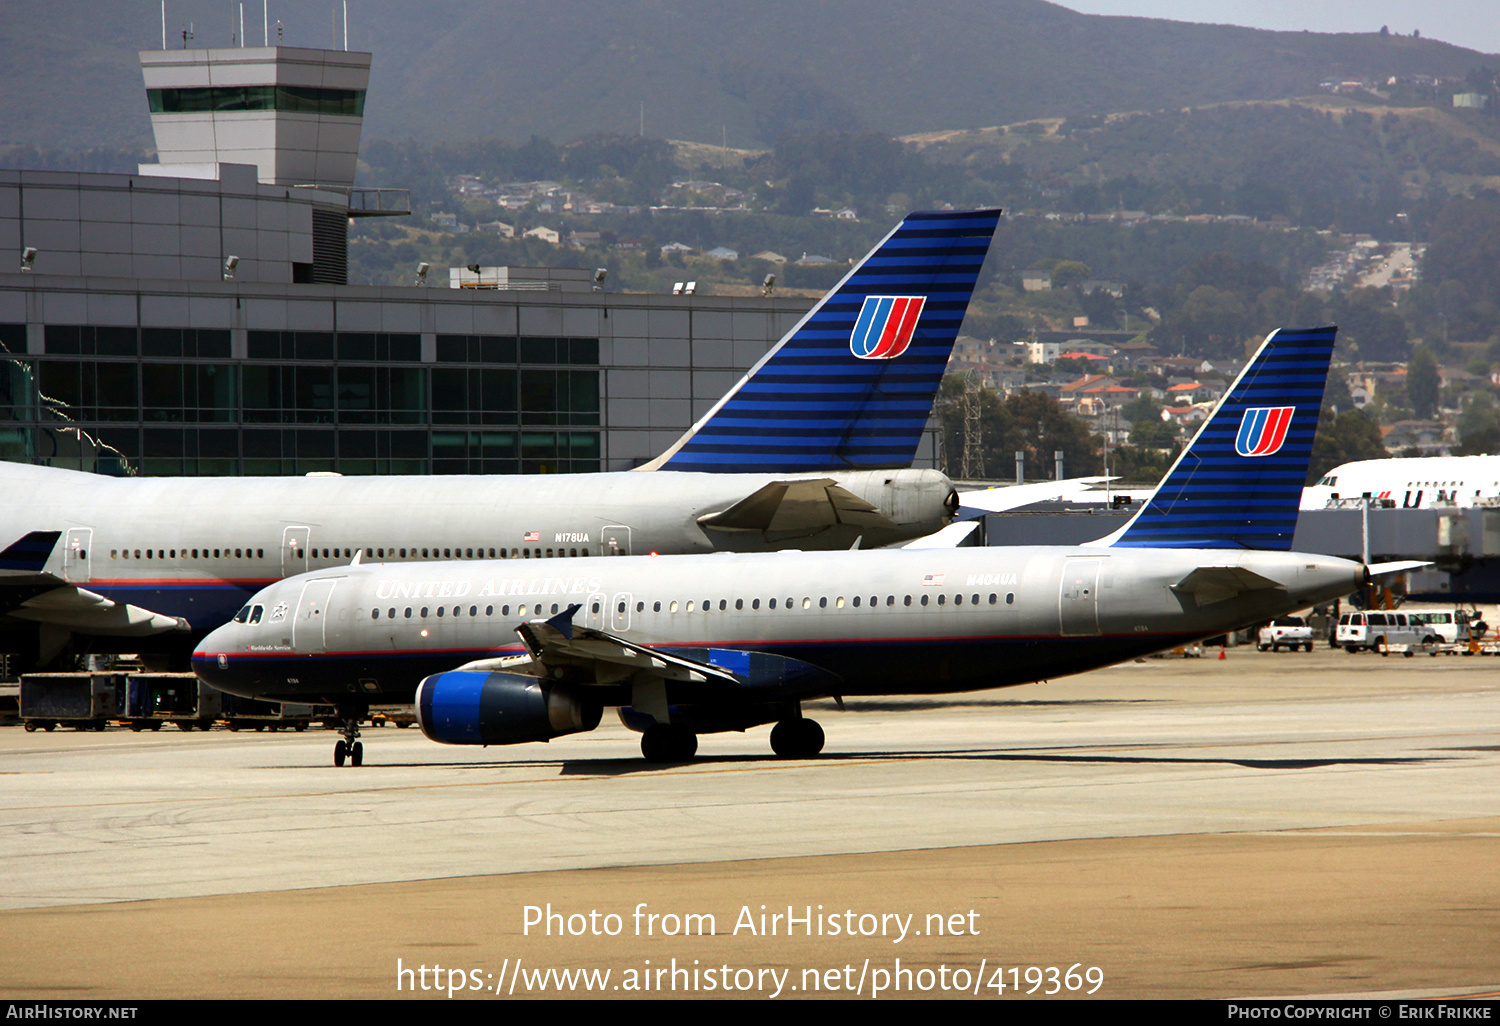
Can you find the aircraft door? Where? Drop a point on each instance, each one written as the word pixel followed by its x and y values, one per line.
pixel 1078 598
pixel 76 561
pixel 614 541
pixel 309 629
pixel 620 606
pixel 294 543
pixel 597 617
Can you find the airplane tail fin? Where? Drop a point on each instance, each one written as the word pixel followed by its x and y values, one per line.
pixel 852 384
pixel 1239 483
pixel 28 555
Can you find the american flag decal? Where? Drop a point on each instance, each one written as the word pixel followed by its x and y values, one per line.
pixel 532 536
pixel 933 580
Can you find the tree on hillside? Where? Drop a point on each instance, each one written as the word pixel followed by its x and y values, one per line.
pixel 1349 436
pixel 1367 318
pixel 1031 422
pixel 1479 426
pixel 1461 272
pixel 1422 383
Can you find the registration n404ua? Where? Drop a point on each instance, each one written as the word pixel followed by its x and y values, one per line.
pixel 500 653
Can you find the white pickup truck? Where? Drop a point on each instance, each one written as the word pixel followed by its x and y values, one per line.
pixel 1289 632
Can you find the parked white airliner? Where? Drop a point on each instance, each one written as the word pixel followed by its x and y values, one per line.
pixel 497 653
pixel 1426 482
pixel 807 450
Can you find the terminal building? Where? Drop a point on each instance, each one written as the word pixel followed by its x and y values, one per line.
pixel 195 318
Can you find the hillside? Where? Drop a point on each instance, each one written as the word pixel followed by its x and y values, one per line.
pixel 456 70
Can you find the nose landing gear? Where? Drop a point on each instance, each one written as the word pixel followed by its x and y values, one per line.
pixel 349 748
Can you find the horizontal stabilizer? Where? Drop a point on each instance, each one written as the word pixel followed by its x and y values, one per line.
pixel 1399 566
pixel 1210 584
pixel 977 503
pixel 81 610
pixel 798 507
pixel 950 537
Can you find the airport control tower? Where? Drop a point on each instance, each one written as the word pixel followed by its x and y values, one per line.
pixel 294 113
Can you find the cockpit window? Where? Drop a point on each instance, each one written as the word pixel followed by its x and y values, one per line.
pixel 250 614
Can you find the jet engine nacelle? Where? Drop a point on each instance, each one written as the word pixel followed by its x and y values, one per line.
pixel 467 707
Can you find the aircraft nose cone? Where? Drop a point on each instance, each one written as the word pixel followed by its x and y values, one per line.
pixel 211 660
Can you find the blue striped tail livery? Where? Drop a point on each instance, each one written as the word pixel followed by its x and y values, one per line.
pixel 1239 483
pixel 850 387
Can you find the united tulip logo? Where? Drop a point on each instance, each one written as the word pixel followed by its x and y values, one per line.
pixel 886 326
pixel 1263 430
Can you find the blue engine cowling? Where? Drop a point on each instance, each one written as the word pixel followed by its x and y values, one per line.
pixel 466 707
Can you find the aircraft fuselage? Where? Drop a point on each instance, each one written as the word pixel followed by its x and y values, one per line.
pixel 199 548
pixel 894 622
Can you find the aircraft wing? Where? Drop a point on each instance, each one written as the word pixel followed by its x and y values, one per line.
pixel 30 591
pixel 79 609
pixel 796 507
pixel 559 648
pixel 977 503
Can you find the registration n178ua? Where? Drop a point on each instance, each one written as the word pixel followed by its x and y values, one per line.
pixel 501 653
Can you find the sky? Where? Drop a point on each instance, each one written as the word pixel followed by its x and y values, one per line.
pixel 1471 23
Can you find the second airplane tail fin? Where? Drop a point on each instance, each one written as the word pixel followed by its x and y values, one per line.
pixel 1239 482
pixel 851 386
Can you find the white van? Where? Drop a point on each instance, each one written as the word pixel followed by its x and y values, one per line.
pixel 1376 630
pixel 1446 625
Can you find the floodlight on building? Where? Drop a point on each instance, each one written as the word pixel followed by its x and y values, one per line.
pixel 600 273
pixel 230 263
pixel 422 269
pixel 768 285
pixel 690 288
pixel 28 257
pixel 677 288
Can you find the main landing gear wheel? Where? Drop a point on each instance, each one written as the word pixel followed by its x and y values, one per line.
pixel 349 748
pixel 666 742
pixel 797 739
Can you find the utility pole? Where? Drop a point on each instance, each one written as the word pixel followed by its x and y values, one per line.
pixel 973 458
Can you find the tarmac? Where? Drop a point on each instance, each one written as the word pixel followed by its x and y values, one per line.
pixel 1266 825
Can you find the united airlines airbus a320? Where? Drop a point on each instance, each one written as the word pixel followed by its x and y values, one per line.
pixel 805 451
pixel 497 653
